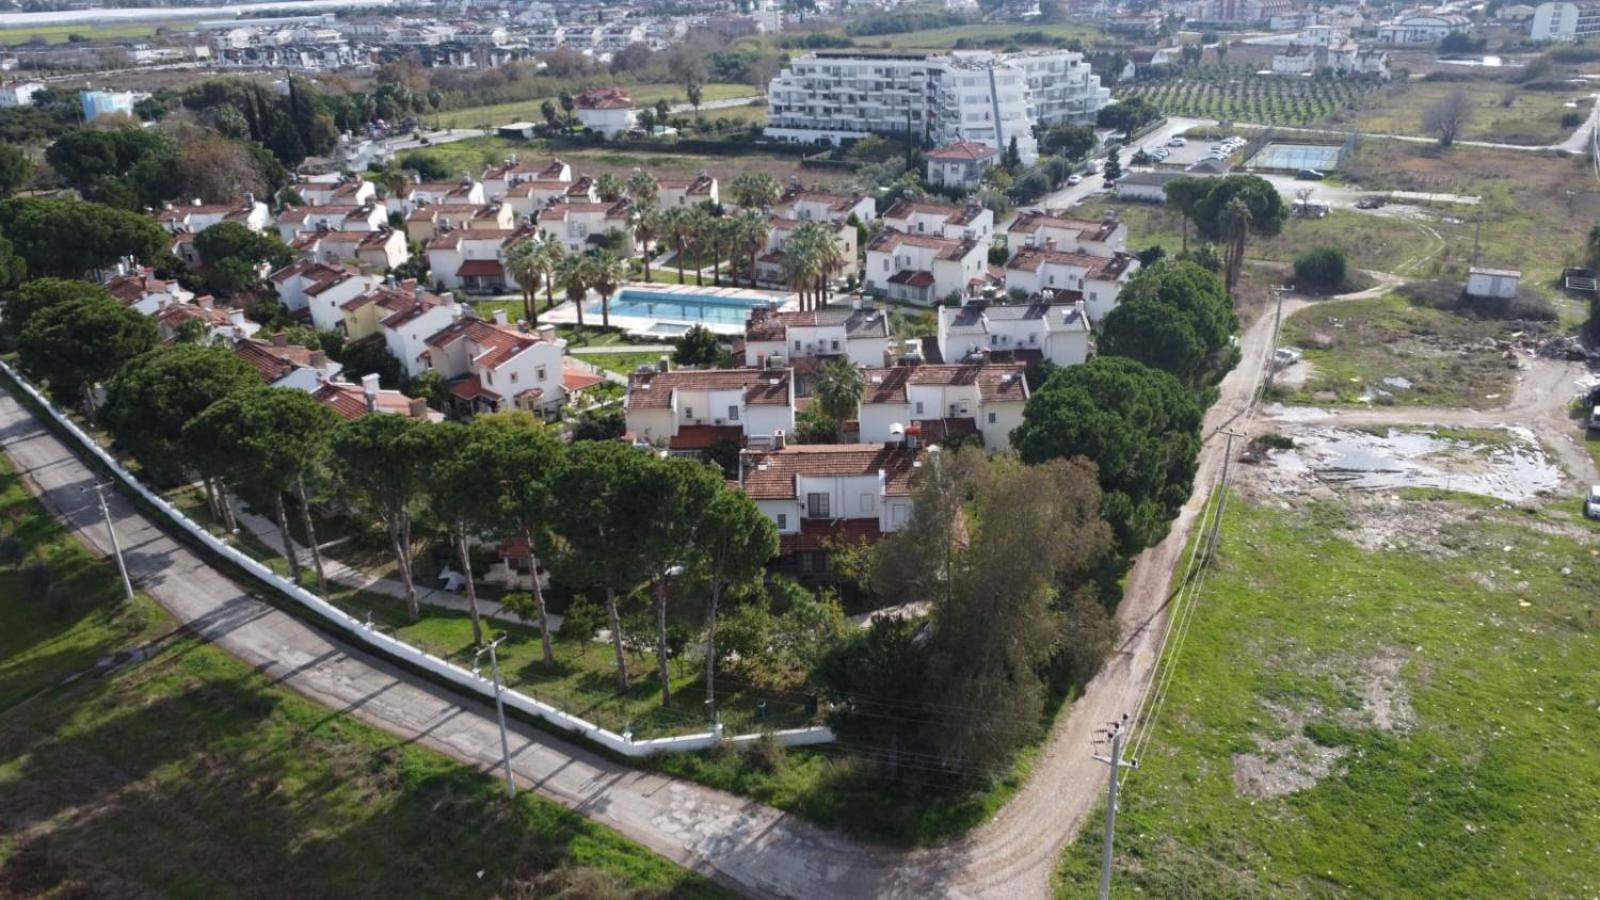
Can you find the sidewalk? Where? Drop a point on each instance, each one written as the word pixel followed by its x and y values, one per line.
pixel 337 572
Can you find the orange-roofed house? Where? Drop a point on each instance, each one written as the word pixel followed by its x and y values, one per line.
pixel 934 404
pixel 686 411
pixel 960 165
pixel 608 111
pixel 490 366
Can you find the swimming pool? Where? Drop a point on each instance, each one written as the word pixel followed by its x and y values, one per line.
pixel 685 308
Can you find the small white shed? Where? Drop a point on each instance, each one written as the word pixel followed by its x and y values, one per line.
pixel 1493 282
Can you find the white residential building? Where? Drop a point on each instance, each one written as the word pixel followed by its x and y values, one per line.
pixel 973 222
pixel 935 404
pixel 19 93
pixel 579 225
pixel 608 111
pixel 1422 29
pixel 491 366
pixel 377 251
pixel 687 191
pixel 859 334
pixel 298 283
pixel 353 191
pixel 1063 276
pixel 470 259
pixel 425 222
pixel 689 410
pixel 499 179
pixel 976 96
pixel 923 269
pixel 222 326
pixel 961 164
pixel 825 495
pixel 769 265
pixel 420 193
pixel 1058 332
pixel 822 206
pixel 1033 228
pixel 1295 61
pixel 1565 21
pixel 145 293
pixel 195 217
pixel 297 220
pixel 287 365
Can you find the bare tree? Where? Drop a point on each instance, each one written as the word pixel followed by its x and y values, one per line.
pixel 1447 116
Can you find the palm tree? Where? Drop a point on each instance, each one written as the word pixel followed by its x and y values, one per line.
pixel 724 232
pixel 642 187
pixel 828 257
pixel 677 226
pixel 1235 230
pixel 604 271
pixel 551 253
pixel 799 265
pixel 609 187
pixel 699 241
pixel 523 265
pixel 573 277
pixel 752 239
pixel 645 220
pixel 838 389
pixel 753 190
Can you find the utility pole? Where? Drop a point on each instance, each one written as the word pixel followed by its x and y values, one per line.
pixel 1277 321
pixel 499 707
pixel 1222 496
pixel 116 546
pixel 1117 764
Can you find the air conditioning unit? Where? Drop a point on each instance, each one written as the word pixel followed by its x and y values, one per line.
pixel 716 421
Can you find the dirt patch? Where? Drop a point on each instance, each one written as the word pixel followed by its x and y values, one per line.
pixel 1284 765
pixel 1385 699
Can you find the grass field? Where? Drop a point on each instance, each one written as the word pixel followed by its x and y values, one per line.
pixel 621 363
pixel 1532 117
pixel 1390 723
pixel 643 95
pixel 188 774
pixel 1414 354
pixel 944 38
pixel 58 34
pixel 473 154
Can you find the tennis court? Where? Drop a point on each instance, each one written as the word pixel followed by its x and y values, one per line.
pixel 1294 157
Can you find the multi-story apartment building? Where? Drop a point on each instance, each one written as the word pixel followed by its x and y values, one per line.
pixel 982 97
pixel 1566 21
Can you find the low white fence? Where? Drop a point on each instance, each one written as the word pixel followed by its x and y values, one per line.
pixel 361 633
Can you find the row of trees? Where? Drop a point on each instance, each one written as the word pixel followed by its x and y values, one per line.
pixel 607 517
pixel 1228 210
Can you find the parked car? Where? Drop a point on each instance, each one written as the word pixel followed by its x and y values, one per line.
pixel 1591 506
pixel 1178 142
pixel 1594 418
pixel 1093 168
pixel 1369 202
pixel 1074 179
pixel 1309 175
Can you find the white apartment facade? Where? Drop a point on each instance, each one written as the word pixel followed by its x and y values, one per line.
pixel 1061 275
pixel 859 334
pixel 1058 332
pixel 922 269
pixel 935 404
pixel 687 411
pixel 1566 21
pixel 980 97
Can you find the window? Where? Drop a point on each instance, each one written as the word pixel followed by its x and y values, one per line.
pixel 816 506
pixel 835 345
pixel 513 378
pixel 866 503
pixel 783 521
pixel 797 346
pixel 733 413
pixel 539 373
pixel 688 412
pixel 919 407
pixel 991 418
pixel 488 376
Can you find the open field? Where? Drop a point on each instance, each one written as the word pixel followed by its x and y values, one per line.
pixel 1395 351
pixel 1414 719
pixel 1532 117
pixel 1237 93
pixel 58 34
pixel 472 155
pixel 182 772
pixel 643 95
pixel 945 38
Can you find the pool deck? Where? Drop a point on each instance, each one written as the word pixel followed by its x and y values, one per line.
pixel 665 328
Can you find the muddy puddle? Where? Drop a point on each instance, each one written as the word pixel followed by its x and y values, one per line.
pixel 1512 468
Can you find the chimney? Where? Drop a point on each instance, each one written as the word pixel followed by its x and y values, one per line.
pixel 369 388
pixel 778 439
pixel 664 364
pixel 417 408
pixel 279 339
pixel 500 317
pixel 547 333
pixel 249 200
pixel 166 204
pixel 195 201
pixel 319 359
pixel 204 301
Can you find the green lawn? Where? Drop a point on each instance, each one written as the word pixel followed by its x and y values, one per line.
pixel 621 363
pixel 1352 346
pixel 1447 691
pixel 58 34
pixel 188 774
pixel 643 95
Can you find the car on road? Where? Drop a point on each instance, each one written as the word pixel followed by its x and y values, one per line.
pixel 1178 142
pixel 1309 175
pixel 1369 203
pixel 1591 506
pixel 1074 179
pixel 1093 168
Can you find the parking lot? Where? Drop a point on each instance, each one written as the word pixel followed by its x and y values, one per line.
pixel 1193 151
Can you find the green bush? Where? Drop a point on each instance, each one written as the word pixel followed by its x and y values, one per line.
pixel 1320 267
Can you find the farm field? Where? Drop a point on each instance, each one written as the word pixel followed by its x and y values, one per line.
pixel 59 34
pixel 1236 93
pixel 945 38
pixel 642 94
pixel 187 773
pixel 1368 704
pixel 1501 112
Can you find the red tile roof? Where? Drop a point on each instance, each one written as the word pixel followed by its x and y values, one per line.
pixel 603 98
pixel 771 475
pixel 577 379
pixel 480 268
pixel 819 534
pixel 699 437
pixel 653 390
pixel 963 150
pixel 996 382
pixel 470 388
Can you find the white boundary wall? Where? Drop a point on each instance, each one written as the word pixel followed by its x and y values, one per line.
pixel 360 633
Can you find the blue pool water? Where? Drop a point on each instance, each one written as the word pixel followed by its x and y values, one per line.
pixel 685 308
